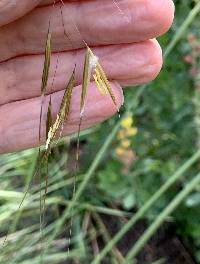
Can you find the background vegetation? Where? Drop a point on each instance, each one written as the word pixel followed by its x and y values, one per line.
pixel 148 159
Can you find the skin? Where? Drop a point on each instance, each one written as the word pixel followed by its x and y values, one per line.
pixel 123 40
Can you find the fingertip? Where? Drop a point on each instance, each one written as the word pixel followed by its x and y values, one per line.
pixel 156 59
pixel 162 12
pixel 119 95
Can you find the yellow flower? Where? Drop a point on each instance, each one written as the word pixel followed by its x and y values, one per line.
pixel 127 122
pixel 120 151
pixel 132 131
pixel 125 143
pixel 127 130
pixel 122 134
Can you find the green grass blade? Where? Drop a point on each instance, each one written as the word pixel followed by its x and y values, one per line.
pixel 192 15
pixel 139 214
pixel 161 218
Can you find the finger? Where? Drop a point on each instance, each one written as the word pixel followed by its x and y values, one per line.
pixel 50 2
pixel 138 63
pixel 97 22
pixel 20 120
pixel 11 10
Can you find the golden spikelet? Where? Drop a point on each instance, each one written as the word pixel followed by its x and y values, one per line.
pixel 92 67
pixel 63 111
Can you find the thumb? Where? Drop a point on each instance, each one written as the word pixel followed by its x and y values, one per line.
pixel 11 10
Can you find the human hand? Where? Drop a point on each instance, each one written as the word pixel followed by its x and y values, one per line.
pixel 124 42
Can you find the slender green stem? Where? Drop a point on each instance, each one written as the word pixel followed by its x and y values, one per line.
pixel 176 176
pixel 193 13
pixel 30 174
pixel 116 255
pixel 161 218
pixel 160 261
